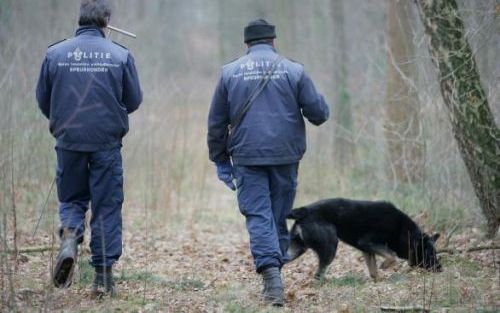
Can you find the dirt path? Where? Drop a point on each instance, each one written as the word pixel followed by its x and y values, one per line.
pixel 206 267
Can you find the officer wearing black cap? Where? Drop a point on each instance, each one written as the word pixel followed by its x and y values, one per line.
pixel 259 31
pixel 87 87
pixel 261 149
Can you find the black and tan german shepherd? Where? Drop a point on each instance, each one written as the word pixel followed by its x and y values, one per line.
pixel 374 227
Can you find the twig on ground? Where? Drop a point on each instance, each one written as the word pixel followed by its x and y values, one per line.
pixel 403 309
pixel 473 249
pixel 32 249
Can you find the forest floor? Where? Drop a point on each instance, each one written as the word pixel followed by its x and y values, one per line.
pixel 206 267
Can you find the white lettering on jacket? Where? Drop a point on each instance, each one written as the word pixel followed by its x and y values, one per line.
pixel 78 55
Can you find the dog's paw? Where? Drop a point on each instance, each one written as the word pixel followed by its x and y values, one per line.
pixel 319 279
pixel 376 279
pixel 387 263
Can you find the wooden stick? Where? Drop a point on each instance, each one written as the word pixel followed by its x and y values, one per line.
pixel 121 31
pixel 473 249
pixel 34 249
pixel 403 309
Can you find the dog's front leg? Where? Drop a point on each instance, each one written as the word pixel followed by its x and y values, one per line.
pixel 387 254
pixel 388 262
pixel 371 263
pixel 325 257
pixel 324 262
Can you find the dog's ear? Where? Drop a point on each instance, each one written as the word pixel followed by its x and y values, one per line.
pixel 435 237
pixel 297 214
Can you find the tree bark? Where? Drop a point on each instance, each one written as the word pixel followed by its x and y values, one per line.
pixel 402 129
pixel 343 144
pixel 474 128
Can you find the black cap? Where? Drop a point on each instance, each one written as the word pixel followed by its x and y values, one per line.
pixel 259 29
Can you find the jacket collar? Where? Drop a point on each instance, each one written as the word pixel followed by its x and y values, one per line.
pixel 261 47
pixel 90 31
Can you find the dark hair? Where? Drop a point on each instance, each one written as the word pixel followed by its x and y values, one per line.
pixel 94 12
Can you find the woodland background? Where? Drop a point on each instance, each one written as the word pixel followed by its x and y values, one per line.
pixel 186 249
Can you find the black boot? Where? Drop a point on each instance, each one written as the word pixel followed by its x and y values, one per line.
pixel 66 259
pixel 103 282
pixel 273 286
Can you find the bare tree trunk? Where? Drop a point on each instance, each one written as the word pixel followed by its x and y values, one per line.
pixel 284 10
pixel 474 127
pixel 221 26
pixel 402 128
pixel 3 264
pixel 343 144
pixel 140 10
pixel 54 5
pixel 10 296
pixel 12 186
pixel 14 206
pixel 296 30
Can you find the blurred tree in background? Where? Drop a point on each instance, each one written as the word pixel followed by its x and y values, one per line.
pixel 363 55
pixel 342 114
pixel 403 127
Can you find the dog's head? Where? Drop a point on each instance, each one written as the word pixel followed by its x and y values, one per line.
pixel 297 245
pixel 423 253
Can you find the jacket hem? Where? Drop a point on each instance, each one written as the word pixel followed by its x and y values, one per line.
pixel 254 161
pixel 87 147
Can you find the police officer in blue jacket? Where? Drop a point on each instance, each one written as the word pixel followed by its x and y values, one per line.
pixel 263 151
pixel 87 87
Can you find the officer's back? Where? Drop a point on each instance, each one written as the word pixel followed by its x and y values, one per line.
pixel 272 132
pixel 88 85
pixel 275 123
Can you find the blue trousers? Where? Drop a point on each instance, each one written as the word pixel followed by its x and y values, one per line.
pixel 265 197
pixel 95 177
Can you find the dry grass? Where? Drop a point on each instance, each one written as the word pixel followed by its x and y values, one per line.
pixel 203 264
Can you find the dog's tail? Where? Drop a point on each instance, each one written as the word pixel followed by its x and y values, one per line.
pixel 297 214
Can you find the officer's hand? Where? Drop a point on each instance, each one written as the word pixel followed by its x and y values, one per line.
pixel 225 173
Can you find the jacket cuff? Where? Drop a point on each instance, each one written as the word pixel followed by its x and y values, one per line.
pixel 224 163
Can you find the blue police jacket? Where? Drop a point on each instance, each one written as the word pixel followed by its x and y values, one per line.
pixel 87 87
pixel 273 130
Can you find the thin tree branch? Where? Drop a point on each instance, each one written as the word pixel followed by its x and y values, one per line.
pixel 33 249
pixel 473 249
pixel 403 309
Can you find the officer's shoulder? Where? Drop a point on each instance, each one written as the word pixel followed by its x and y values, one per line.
pixel 294 62
pixel 52 45
pixel 120 45
pixel 294 67
pixel 231 62
pixel 230 67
